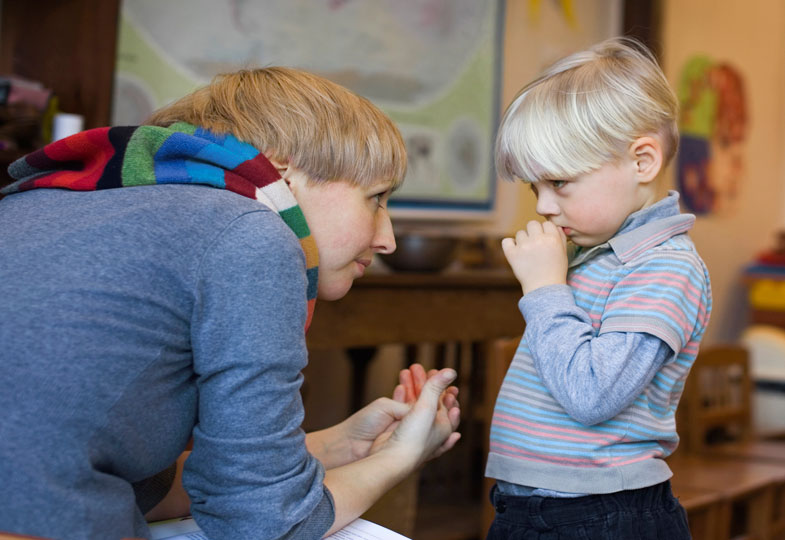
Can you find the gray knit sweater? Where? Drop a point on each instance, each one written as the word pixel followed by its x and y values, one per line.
pixel 131 319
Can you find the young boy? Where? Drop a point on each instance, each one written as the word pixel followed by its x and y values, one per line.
pixel 586 413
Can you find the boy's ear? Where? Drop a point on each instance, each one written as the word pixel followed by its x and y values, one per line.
pixel 646 155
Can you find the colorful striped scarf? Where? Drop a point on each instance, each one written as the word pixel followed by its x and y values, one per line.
pixel 107 158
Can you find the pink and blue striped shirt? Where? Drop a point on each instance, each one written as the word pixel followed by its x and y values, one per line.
pixel 588 404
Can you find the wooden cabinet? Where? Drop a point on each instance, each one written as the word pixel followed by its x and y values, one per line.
pixel 67 45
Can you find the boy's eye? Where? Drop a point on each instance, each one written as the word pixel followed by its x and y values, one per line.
pixel 556 184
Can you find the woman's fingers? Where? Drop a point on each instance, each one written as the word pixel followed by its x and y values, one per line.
pixel 399 394
pixel 419 376
pixel 407 381
pixel 447 445
pixel 412 381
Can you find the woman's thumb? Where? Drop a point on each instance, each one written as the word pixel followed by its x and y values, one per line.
pixel 437 384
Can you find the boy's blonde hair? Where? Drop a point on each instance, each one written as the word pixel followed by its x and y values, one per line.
pixel 584 111
pixel 298 118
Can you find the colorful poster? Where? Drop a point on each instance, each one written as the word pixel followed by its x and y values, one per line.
pixel 713 126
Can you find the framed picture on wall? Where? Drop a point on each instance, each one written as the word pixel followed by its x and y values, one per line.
pixel 432 65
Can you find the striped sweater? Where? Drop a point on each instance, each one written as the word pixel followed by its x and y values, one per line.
pixel 647 282
pixel 107 158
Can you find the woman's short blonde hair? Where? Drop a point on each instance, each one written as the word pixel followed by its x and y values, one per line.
pixel 584 112
pixel 298 118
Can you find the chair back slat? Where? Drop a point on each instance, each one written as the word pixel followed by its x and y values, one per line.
pixel 718 398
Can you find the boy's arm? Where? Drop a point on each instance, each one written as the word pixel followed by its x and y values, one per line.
pixel 593 377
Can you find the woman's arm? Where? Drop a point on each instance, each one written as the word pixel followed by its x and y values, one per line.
pixel 375 457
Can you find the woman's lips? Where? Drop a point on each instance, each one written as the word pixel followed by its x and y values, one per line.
pixel 362 264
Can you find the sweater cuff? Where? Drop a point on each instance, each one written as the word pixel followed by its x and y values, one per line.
pixel 319 522
pixel 546 299
pixel 150 491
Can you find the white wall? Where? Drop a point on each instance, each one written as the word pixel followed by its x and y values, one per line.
pixel 750 35
pixel 530 44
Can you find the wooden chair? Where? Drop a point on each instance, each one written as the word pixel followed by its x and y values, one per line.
pixel 499 358
pixel 722 452
pixel 716 411
pixel 716 402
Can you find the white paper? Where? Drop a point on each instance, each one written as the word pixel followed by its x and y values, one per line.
pixel 187 529
pixel 361 529
pixel 177 529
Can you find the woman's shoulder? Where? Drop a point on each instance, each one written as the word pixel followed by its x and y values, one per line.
pixel 207 213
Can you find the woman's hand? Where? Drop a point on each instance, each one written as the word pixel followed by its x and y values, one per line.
pixel 429 429
pixel 412 381
pixel 369 428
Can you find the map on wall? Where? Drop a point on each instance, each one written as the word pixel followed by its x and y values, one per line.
pixel 431 65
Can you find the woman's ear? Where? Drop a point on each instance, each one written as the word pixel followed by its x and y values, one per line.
pixel 283 168
pixel 646 155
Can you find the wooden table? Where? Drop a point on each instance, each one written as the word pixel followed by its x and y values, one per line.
pixel 751 491
pixel 704 510
pixel 760 450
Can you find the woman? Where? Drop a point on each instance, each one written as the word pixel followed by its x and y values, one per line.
pixel 175 307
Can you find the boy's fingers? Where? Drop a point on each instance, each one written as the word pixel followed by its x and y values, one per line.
pixel 507 244
pixel 533 227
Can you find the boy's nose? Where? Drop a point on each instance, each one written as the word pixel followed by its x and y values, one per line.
pixel 546 206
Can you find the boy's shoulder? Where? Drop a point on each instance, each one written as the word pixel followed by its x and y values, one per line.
pixel 679 246
pixel 676 256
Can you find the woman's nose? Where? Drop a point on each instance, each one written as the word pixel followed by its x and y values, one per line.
pixel 384 239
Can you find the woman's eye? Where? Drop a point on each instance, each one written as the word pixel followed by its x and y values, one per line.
pixel 380 199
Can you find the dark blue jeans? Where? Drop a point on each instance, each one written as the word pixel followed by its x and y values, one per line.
pixel 651 513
